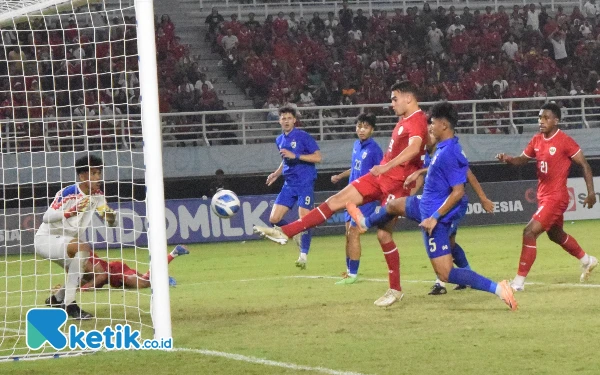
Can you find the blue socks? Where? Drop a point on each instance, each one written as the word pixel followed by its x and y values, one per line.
pixel 461 276
pixel 460 259
pixel 305 241
pixel 378 218
pixel 353 266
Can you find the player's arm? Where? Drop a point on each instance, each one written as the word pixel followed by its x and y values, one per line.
pixel 414 147
pixel 337 177
pixel 98 281
pixel 486 203
pixel 415 177
pixel 455 196
pixel 590 200
pixel 513 160
pixel 314 158
pixel 273 176
pixel 53 215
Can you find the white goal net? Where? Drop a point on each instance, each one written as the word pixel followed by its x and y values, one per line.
pixel 70 88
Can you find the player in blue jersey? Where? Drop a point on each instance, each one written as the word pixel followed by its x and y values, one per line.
pixel 300 153
pixel 458 254
pixel 366 154
pixel 439 206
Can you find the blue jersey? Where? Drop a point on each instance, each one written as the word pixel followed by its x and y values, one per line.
pixel 448 168
pixel 297 172
pixel 365 155
pixel 464 202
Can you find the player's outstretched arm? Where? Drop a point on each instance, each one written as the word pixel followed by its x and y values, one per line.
pixel 486 203
pixel 337 177
pixel 590 200
pixel 516 160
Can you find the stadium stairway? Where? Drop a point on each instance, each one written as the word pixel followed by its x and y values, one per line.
pixel 189 26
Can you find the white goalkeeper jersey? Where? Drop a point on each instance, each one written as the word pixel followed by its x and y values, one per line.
pixel 55 222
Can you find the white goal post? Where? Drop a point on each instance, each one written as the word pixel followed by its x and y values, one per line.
pixel 71 86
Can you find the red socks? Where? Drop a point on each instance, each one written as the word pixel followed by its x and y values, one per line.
pixel 315 217
pixel 170 258
pixel 392 257
pixel 572 247
pixel 528 253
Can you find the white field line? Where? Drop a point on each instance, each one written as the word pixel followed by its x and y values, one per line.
pixel 266 362
pixel 558 285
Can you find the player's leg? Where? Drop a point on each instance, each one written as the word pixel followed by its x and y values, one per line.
pixel 540 222
pixel 353 245
pixel 79 254
pixel 437 246
pixel 393 209
pixel 588 262
pixel 392 258
pixel 305 198
pixel 353 252
pixel 314 217
pixel 136 281
pixel 285 200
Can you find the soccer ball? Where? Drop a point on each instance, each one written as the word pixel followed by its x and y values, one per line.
pixel 225 203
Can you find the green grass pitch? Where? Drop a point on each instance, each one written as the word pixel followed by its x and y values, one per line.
pixel 244 308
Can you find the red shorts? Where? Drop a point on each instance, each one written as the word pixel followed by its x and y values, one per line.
pixel 550 213
pixel 380 188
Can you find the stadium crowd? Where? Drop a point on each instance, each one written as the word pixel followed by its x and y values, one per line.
pixel 85 64
pixel 454 54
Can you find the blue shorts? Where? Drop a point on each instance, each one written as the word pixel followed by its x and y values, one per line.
pixel 438 244
pixel 367 209
pixel 412 208
pixel 464 204
pixel 290 195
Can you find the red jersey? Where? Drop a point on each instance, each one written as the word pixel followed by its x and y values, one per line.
pixel 553 157
pixel 117 271
pixel 414 125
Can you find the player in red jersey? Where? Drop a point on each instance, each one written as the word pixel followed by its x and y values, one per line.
pixel 554 151
pixel 384 182
pixel 118 274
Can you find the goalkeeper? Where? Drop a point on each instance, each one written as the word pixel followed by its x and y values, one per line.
pixel 65 221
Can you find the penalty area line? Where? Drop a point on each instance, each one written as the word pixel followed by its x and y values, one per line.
pixel 265 362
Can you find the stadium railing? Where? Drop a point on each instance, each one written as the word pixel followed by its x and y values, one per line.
pixel 248 126
pixel 306 8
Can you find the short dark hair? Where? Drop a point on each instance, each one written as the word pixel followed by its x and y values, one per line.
pixel 287 109
pixel 84 163
pixel 554 108
pixel 406 87
pixel 445 110
pixel 369 118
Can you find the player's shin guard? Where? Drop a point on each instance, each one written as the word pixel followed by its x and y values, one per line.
pixel 570 245
pixel 305 239
pixel 528 254
pixel 379 217
pixel 392 258
pixel 459 256
pixel 460 276
pixel 315 217
pixel 76 266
